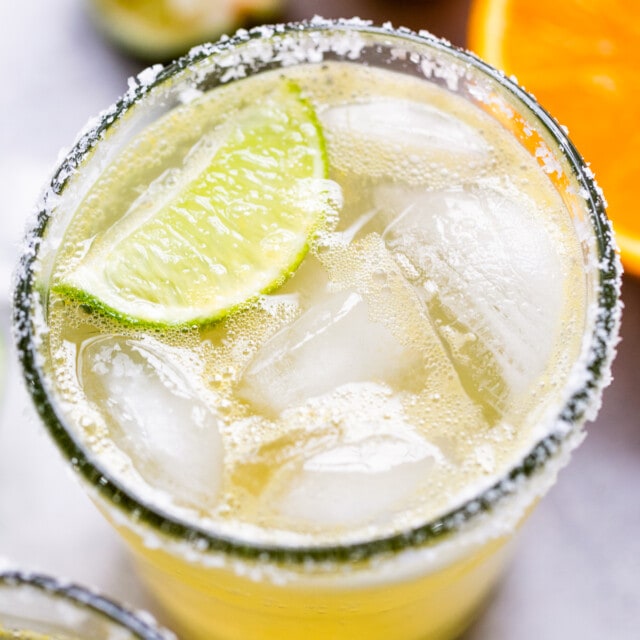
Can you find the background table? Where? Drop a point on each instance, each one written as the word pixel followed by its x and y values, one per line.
pixel 576 573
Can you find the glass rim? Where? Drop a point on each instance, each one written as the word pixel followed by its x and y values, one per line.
pixel 87 599
pixel 573 413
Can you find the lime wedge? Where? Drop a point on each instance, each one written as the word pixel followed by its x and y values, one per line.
pixel 234 222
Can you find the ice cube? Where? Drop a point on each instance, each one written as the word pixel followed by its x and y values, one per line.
pixel 399 122
pixel 334 342
pixel 155 415
pixel 487 271
pixel 373 468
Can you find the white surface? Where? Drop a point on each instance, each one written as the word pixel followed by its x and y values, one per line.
pixel 576 572
pixel 56 75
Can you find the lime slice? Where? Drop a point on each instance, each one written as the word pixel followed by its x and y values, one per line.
pixel 163 29
pixel 234 222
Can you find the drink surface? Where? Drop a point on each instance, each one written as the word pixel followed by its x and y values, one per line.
pixel 414 356
pixel 52 634
pixel 20 634
pixel 23 635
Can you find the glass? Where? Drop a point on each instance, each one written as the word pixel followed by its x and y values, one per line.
pixel 424 583
pixel 37 607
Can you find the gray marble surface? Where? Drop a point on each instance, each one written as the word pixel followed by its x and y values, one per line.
pixel 576 571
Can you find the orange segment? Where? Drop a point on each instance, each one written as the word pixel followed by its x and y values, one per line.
pixel 581 59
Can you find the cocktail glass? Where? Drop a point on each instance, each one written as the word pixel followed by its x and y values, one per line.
pixel 426 582
pixel 38 607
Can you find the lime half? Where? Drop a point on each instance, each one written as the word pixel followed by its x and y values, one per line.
pixel 234 222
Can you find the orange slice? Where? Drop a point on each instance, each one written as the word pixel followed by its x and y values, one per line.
pixel 581 59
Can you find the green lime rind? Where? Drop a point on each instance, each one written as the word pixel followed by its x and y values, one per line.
pixel 93 304
pixel 236 226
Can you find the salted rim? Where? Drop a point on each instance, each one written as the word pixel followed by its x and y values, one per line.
pixel 146 629
pixel 580 406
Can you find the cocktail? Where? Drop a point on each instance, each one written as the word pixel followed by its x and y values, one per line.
pixel 318 313
pixel 37 607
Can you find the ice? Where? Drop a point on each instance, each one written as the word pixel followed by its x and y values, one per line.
pixel 487 271
pixel 376 466
pixel 155 415
pixel 406 124
pixel 333 343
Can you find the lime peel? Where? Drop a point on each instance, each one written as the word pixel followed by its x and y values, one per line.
pixel 236 224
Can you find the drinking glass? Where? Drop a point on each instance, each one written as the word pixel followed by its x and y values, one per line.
pixel 424 583
pixel 37 607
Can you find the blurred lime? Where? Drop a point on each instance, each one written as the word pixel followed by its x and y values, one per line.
pixel 163 29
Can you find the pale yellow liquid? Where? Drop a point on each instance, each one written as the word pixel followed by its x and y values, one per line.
pixel 54 634
pixel 22 635
pixel 52 618
pixel 31 635
pixel 456 391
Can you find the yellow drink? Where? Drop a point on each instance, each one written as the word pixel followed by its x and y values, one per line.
pixel 436 605
pixel 22 635
pixel 346 454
